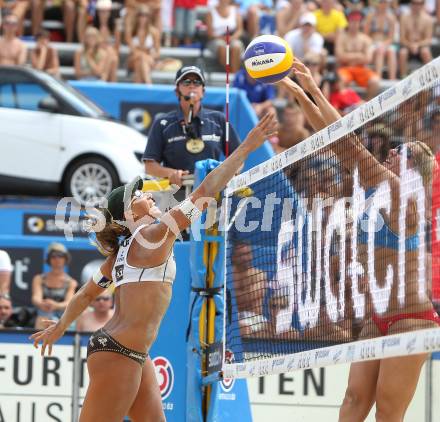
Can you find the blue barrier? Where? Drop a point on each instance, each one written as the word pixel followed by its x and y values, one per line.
pixel 26 233
pixel 115 99
pixel 228 399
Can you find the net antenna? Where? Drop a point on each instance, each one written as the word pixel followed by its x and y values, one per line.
pixel 228 70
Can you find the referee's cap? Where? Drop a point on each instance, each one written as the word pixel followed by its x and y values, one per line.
pixel 188 70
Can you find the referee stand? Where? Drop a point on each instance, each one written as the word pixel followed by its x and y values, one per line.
pixel 209 397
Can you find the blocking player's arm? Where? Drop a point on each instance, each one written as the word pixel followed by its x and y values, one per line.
pixel 351 152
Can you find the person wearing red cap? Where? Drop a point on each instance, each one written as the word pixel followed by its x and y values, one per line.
pixel 354 53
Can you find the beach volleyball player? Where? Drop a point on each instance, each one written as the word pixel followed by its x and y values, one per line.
pixel 139 243
pixel 389 383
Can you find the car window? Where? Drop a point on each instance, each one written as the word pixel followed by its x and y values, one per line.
pixel 22 95
pixel 7 97
pixel 29 95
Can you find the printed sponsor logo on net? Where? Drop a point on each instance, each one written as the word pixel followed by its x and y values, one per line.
pixel 278 362
pixel 387 95
pixel 431 341
pixel 349 121
pixel 368 350
pixel 337 354
pixel 321 355
pixel 333 129
pixel 389 343
pixel 407 87
pixel 428 74
pixel 411 344
pixel 366 112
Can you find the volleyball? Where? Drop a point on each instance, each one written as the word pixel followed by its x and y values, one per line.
pixel 268 59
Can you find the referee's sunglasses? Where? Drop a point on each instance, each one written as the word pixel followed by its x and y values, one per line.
pixel 188 82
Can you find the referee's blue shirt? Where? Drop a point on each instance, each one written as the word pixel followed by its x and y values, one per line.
pixel 167 140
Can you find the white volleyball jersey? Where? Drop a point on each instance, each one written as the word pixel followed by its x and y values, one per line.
pixel 123 273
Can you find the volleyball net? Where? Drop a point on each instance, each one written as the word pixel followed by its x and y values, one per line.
pixel 332 247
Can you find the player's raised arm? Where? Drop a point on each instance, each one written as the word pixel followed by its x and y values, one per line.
pixel 181 216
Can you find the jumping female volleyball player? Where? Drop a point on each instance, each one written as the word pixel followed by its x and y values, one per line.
pixel 390 383
pixel 122 378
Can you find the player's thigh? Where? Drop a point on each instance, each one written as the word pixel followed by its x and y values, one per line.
pixel 147 407
pixel 114 383
pixel 362 380
pixel 397 382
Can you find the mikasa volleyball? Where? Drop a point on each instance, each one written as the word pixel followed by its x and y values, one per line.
pixel 268 58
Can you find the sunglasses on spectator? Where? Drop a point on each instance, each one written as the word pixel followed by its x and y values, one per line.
pixel 399 150
pixel 104 298
pixel 5 296
pixel 311 63
pixel 195 82
pixel 11 22
pixel 418 3
pixel 57 255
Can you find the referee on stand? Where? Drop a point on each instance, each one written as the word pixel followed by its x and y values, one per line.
pixel 190 133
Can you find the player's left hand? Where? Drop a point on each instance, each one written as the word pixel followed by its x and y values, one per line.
pixel 48 336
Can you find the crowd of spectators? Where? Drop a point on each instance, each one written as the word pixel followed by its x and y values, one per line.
pixel 351 47
pixel 51 292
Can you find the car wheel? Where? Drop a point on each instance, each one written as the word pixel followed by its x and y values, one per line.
pixel 90 179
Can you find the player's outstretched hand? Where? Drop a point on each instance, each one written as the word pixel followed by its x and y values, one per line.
pixel 48 336
pixel 303 75
pixel 266 128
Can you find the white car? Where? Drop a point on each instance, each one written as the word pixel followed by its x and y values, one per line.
pixel 55 141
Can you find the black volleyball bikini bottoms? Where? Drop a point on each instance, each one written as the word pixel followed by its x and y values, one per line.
pixel 101 341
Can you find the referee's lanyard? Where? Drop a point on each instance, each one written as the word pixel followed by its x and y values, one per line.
pixel 194 143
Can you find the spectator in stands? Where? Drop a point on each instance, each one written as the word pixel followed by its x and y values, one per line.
pixel 288 13
pixel 380 25
pixel 378 142
pixel 260 95
pixel 354 53
pixel 416 30
pixel 341 97
pixel 52 291
pixel 12 49
pixel 251 11
pixel 91 60
pixel 175 143
pixel 305 39
pixel 225 15
pixel 354 5
pixel 75 12
pixel 132 6
pixel 5 309
pixel 43 56
pixel 292 128
pixel 314 61
pixel 93 320
pixel 17 8
pixel 37 15
pixel 110 35
pixel 184 21
pixel 330 22
pixel 5 272
pixel 144 47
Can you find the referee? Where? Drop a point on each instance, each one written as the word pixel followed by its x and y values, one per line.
pixel 190 133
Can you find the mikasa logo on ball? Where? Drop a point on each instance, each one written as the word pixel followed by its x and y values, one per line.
pixel 261 62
